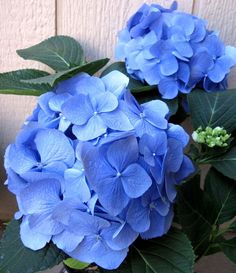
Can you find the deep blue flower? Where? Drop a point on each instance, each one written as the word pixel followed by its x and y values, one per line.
pixel 151 214
pixel 94 247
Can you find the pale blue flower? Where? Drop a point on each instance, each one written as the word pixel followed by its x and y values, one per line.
pixel 166 47
pixel 92 169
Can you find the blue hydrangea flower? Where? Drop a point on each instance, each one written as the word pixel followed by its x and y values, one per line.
pixel 52 152
pixel 146 118
pixel 151 214
pixel 93 115
pixel 92 169
pixel 174 50
pixel 115 174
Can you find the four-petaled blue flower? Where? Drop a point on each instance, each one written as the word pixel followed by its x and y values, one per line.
pixel 115 174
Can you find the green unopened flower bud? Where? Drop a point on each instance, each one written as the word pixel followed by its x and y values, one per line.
pixel 212 137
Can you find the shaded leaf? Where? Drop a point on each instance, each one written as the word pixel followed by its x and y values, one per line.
pixel 16 258
pixel 170 253
pixel 11 82
pixel 202 212
pixel 213 109
pixel 53 79
pixel 196 213
pixel 226 163
pixel 229 249
pixel 232 226
pixel 58 52
pixel 222 192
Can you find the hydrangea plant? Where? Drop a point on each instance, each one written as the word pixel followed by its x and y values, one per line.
pixel 103 171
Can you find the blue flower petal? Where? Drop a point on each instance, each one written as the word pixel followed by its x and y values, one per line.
pixel 32 239
pixel 138 216
pixel 104 102
pixel 67 240
pixel 155 112
pixel 169 65
pixel 177 132
pixel 159 225
pixel 117 120
pixel 83 224
pixel 174 155
pixel 55 103
pixel 185 170
pixel 170 186
pixel 75 184
pixel 94 249
pixel 21 159
pixel 54 146
pixel 220 69
pixel 122 153
pixel 44 223
pixel 94 128
pixel 112 195
pixel 135 180
pixel 78 109
pixel 125 237
pixel 115 82
pixel 185 22
pixel 168 87
pixel 40 196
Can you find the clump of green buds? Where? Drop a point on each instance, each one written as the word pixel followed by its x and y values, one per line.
pixel 211 137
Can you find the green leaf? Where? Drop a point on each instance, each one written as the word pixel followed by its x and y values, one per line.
pixel 232 226
pixel 196 214
pixel 226 163
pixel 53 79
pixel 75 264
pixel 11 82
pixel 213 109
pixel 170 253
pixel 202 212
pixel 120 66
pixel 222 192
pixel 16 258
pixel 58 52
pixel 229 249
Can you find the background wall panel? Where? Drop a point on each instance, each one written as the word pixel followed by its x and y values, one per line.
pixel 95 23
pixel 22 23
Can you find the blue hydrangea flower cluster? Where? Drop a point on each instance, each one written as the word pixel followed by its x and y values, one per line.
pixel 174 50
pixel 92 169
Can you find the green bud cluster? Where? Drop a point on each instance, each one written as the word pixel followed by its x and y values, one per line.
pixel 211 137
